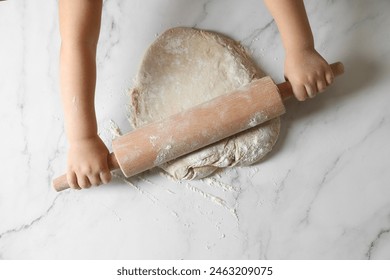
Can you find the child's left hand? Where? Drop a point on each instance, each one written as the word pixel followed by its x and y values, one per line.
pixel 308 72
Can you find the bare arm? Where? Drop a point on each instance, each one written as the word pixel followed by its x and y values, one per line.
pixel 307 71
pixel 79 28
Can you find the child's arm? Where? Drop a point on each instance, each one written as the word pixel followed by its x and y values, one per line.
pixel 87 155
pixel 306 70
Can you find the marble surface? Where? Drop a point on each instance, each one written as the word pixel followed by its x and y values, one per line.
pixel 323 192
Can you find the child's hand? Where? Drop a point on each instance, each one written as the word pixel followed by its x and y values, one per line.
pixel 87 163
pixel 307 72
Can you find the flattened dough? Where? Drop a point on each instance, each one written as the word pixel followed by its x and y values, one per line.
pixel 185 67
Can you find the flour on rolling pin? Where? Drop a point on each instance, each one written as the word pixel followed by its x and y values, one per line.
pixel 211 182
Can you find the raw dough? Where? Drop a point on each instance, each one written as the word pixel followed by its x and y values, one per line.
pixel 185 67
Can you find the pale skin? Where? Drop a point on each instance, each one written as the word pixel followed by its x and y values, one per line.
pixel 80 20
pixel 307 71
pixel 87 154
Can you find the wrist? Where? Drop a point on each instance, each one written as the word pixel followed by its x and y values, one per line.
pixel 84 129
pixel 83 139
pixel 295 50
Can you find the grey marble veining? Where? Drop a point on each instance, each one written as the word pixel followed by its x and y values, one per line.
pixel 322 193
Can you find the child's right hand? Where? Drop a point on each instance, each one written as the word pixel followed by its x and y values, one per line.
pixel 88 163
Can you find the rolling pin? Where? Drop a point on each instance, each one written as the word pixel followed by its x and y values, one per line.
pixel 182 133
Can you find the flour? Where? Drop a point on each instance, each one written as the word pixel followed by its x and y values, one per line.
pixel 215 199
pixel 163 154
pixel 186 67
pixel 215 183
pixel 257 119
pixel 152 140
pixel 115 130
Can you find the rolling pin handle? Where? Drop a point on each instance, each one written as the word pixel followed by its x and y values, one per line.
pixel 61 183
pixel 285 88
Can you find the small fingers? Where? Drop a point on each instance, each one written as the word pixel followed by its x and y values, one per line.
pixel 321 85
pixel 300 92
pixel 72 180
pixel 83 181
pixel 101 175
pixel 311 89
pixel 105 176
pixel 94 179
pixel 329 76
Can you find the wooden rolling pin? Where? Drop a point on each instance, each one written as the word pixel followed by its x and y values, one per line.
pixel 202 125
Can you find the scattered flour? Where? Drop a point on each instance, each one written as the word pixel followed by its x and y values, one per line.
pixel 217 200
pixel 114 130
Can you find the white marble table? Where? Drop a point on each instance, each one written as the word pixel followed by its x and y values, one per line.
pixel 323 192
